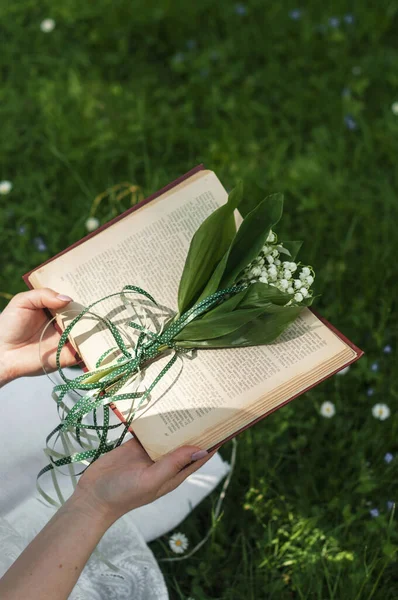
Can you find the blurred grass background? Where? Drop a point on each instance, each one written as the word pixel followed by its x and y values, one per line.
pixel 300 99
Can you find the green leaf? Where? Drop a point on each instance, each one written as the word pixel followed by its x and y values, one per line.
pixel 260 294
pixel 262 330
pixel 254 194
pixel 218 325
pixel 293 247
pixel 251 237
pixel 214 281
pixel 209 244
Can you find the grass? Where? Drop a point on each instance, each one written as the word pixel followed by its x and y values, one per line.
pixel 140 92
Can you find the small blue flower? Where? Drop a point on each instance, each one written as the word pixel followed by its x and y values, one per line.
pixel 349 19
pixel 390 504
pixel 240 9
pixel 191 44
pixel 346 92
pixel 388 457
pixel 350 122
pixel 21 230
pixel 295 14
pixel 370 392
pixel 40 244
pixel 387 349
pixel 374 367
pixel 374 512
pixel 334 22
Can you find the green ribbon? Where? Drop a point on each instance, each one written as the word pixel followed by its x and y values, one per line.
pixel 101 385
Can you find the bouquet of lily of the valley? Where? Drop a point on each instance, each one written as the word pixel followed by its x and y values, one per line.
pixel 239 287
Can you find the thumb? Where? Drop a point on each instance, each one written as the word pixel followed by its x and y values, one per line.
pixel 40 298
pixel 171 464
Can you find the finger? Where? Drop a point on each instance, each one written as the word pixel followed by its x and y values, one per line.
pixel 40 298
pixel 170 465
pixel 182 475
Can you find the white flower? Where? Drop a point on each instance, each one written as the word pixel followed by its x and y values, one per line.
pixel 47 25
pixel 292 267
pixel 263 279
pixel 310 279
pixel 178 542
pixel 284 284
pixel 290 290
pixel 5 187
pixel 327 409
pixel 287 274
pixel 394 108
pixel 260 260
pixel 305 271
pixel 256 271
pixel 271 237
pixel 304 292
pixel 297 284
pixel 298 297
pixel 277 262
pixel 275 253
pixel 270 259
pixel 92 223
pixel 343 371
pixel 381 412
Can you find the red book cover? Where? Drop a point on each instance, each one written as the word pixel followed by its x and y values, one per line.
pixel 358 352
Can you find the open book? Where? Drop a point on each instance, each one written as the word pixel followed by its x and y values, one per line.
pixel 210 397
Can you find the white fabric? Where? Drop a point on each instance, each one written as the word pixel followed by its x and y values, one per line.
pixel 27 415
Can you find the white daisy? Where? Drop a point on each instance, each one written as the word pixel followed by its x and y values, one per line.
pixel 178 542
pixel 344 371
pixel 47 25
pixel 381 412
pixel 5 187
pixel 92 223
pixel 327 409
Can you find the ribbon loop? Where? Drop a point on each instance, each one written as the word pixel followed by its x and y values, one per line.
pixel 101 385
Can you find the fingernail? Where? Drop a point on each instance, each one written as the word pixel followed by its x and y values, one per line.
pixel 199 454
pixel 64 298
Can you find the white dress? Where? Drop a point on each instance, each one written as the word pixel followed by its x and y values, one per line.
pixel 27 415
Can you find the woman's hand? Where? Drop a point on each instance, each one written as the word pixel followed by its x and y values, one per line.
pixel 117 482
pixel 21 325
pixel 126 478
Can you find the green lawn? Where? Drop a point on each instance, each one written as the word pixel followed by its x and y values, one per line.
pixel 299 102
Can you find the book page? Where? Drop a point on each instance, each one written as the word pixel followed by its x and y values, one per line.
pixel 147 249
pixel 217 385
